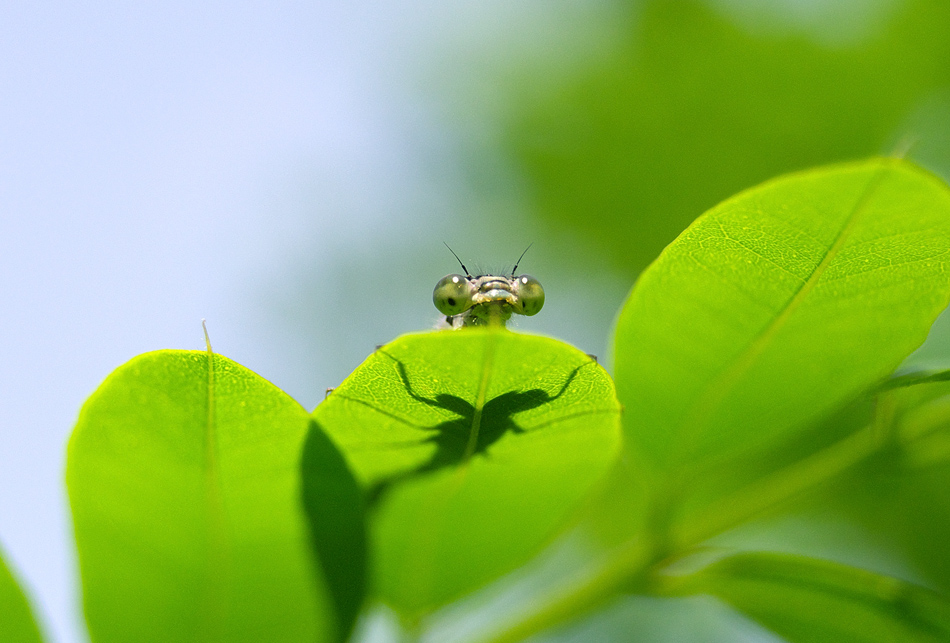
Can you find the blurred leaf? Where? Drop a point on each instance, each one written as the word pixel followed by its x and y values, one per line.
pixel 473 447
pixel 333 503
pixel 906 510
pixel 900 495
pixel 761 316
pixel 184 482
pixel 16 619
pixel 648 619
pixel 919 409
pixel 685 107
pixel 907 380
pixel 813 601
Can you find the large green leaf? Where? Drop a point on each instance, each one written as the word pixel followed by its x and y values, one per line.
pixel 16 619
pixel 778 305
pixel 184 481
pixel 813 601
pixel 473 446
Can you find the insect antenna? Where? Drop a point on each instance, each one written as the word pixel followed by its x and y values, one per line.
pixel 515 269
pixel 467 273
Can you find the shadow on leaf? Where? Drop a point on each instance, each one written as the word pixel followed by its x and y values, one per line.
pixel 472 432
pixel 333 503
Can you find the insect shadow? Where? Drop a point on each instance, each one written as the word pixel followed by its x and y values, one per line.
pixel 453 438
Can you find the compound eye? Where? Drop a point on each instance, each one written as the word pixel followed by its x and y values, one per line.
pixel 530 295
pixel 453 295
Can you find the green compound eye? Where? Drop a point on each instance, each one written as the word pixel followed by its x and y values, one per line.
pixel 530 294
pixel 453 295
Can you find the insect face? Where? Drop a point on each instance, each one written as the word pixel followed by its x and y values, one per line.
pixel 486 299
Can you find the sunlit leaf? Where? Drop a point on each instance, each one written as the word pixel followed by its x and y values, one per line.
pixel 814 601
pixel 184 481
pixel 778 305
pixel 16 619
pixel 473 447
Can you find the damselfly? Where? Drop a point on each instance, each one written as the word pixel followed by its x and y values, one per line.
pixel 485 300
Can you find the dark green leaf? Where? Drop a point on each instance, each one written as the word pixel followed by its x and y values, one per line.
pixel 473 446
pixel 914 379
pixel 814 601
pixel 184 481
pixel 901 495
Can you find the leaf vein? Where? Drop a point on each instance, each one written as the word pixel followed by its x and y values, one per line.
pixel 755 253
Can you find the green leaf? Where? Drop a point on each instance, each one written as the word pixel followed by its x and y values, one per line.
pixel 474 446
pixel 17 624
pixel 812 601
pixel 779 305
pixel 184 481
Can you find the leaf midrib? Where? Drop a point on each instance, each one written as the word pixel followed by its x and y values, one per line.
pixel 487 362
